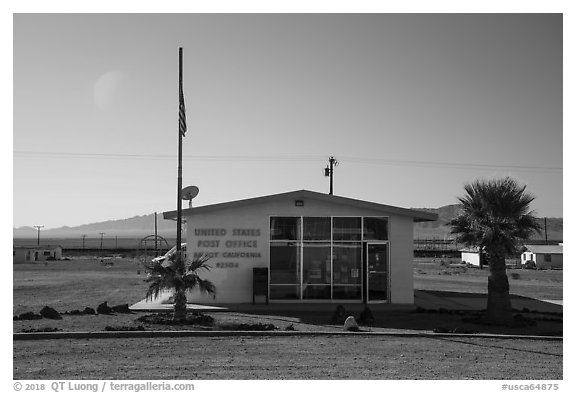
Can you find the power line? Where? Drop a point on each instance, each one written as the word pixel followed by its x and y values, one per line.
pixel 38 154
pixel 289 158
pixel 379 161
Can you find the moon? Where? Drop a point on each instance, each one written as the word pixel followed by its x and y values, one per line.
pixel 107 90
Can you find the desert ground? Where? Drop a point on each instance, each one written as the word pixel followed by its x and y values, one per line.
pixel 85 282
pixel 319 357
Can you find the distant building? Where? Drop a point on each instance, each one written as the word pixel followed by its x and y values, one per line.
pixel 543 257
pixel 470 256
pixel 29 254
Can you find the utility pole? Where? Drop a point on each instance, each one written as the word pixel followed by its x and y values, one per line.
pixel 155 234
pixel 101 241
pixel 38 228
pixel 545 230
pixel 83 241
pixel 329 171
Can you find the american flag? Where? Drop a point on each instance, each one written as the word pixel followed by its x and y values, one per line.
pixel 182 113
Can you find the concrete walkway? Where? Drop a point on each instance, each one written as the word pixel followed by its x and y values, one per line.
pixel 474 301
pixel 431 300
pixel 164 303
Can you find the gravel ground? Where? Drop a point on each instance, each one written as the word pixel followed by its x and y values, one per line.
pixel 69 285
pixel 317 357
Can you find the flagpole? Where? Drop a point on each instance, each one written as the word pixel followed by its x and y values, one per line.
pixel 179 193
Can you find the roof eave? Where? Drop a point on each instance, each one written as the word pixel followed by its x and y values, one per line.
pixel 417 215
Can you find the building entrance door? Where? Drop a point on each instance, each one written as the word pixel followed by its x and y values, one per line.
pixel 377 272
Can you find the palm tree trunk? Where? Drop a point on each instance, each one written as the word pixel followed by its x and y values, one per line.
pixel 180 305
pixel 180 291
pixel 499 308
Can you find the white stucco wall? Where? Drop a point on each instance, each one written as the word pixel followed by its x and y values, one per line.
pixel 539 259
pixel 473 258
pixel 27 255
pixel 555 261
pixel 232 275
pixel 401 260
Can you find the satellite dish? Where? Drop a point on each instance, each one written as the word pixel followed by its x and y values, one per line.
pixel 190 192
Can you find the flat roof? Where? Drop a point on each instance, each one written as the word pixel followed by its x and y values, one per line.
pixel 40 247
pixel 470 250
pixel 545 249
pixel 417 215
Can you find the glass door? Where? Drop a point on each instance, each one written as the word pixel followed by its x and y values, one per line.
pixel 377 272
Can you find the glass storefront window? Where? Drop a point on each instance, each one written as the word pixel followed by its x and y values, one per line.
pixel 285 292
pixel 321 258
pixel 315 292
pixel 317 228
pixel 316 263
pixel 285 228
pixel 375 228
pixel 284 263
pixel 347 228
pixel 347 263
pixel 347 292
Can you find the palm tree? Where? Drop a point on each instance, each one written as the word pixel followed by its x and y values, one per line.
pixel 495 216
pixel 179 276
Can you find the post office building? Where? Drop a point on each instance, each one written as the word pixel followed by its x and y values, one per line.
pixel 308 246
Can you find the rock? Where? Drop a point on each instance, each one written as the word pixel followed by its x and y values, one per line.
pixel 290 327
pixel 103 308
pixel 50 313
pixel 89 311
pixel 29 316
pixel 122 308
pixel 350 324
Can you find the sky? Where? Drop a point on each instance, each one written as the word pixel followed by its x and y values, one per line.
pixel 413 107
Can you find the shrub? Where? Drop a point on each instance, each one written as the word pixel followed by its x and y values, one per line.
pixel 249 326
pixel 366 316
pixel 166 319
pixel 138 328
pixel 41 330
pixel 339 315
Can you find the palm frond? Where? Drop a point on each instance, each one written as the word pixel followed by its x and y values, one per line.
pixel 494 212
pixel 177 276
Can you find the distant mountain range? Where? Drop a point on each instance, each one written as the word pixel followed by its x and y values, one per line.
pixel 440 229
pixel 140 226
